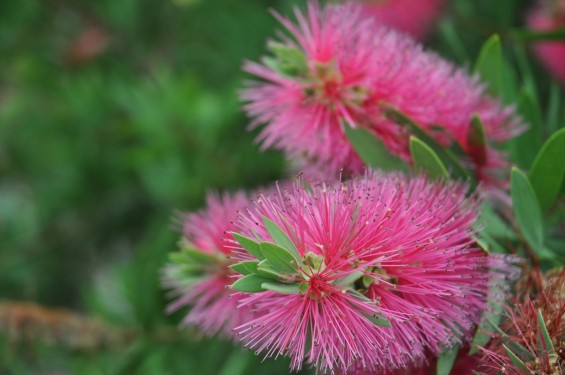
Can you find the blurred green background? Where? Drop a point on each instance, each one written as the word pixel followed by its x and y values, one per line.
pixel 114 114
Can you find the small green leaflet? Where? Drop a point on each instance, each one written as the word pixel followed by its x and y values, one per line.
pixel 476 139
pixel 426 159
pixel 250 245
pixel 282 239
pixel 446 360
pixel 378 320
pixel 447 157
pixel 293 288
pixel 349 279
pixel 516 361
pixel 548 170
pixel 250 284
pixel 371 150
pixel 279 258
pixel 546 344
pixel 266 269
pixel 246 267
pixel 290 61
pixel 192 255
pixel 527 212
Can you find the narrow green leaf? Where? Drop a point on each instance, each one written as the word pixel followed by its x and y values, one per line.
pixel 477 142
pixel 426 159
pixel 371 149
pixel 247 267
pixel 552 115
pixel 250 245
pixel 494 70
pixel 484 245
pixel 293 288
pixel 446 360
pixel 523 148
pixel 449 160
pixel 280 258
pixel 266 269
pixel 522 353
pixel 548 170
pixel 189 255
pixel 378 320
pixel 528 35
pixel 349 279
pixel 282 239
pixel 250 284
pixel 526 209
pixel 291 60
pixel 490 319
pixel 516 361
pixel 547 344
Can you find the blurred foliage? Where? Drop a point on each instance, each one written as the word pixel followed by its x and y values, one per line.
pixel 115 113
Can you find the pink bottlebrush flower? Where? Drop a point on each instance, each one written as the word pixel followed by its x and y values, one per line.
pixel 550 16
pixel 340 68
pixel 377 246
pixel 198 273
pixel 414 17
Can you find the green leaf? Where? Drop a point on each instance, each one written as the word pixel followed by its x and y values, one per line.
pixel 477 142
pixel 528 35
pixel 522 353
pixel 189 255
pixel 266 269
pixel 527 211
pixel 282 239
pixel 548 170
pixel 293 288
pixel 290 61
pixel 280 258
pixel 349 279
pixel 372 150
pixel 490 319
pixel 449 160
pixel 250 284
pixel 516 361
pixel 247 267
pixel 547 345
pixel 552 115
pixel 250 245
pixel 378 320
pixel 426 159
pixel 523 147
pixel 446 360
pixel 494 70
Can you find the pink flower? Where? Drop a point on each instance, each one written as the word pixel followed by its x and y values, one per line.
pixel 414 17
pixel 377 246
pixel 198 273
pixel 340 68
pixel 550 16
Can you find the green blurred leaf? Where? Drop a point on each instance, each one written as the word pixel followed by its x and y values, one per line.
pixel 494 69
pixel 516 361
pixel 283 288
pixel 525 146
pixel 349 279
pixel 477 141
pixel 282 239
pixel 528 35
pixel 280 258
pixel 544 337
pixel 290 61
pixel 548 170
pixel 426 159
pixel 527 212
pixel 372 150
pixel 446 360
pixel 247 267
pixel 250 284
pixel 250 245
pixel 378 320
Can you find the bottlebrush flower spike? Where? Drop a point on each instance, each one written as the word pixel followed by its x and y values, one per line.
pixel 341 69
pixel 414 17
pixel 532 338
pixel 198 273
pixel 373 273
pixel 550 16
